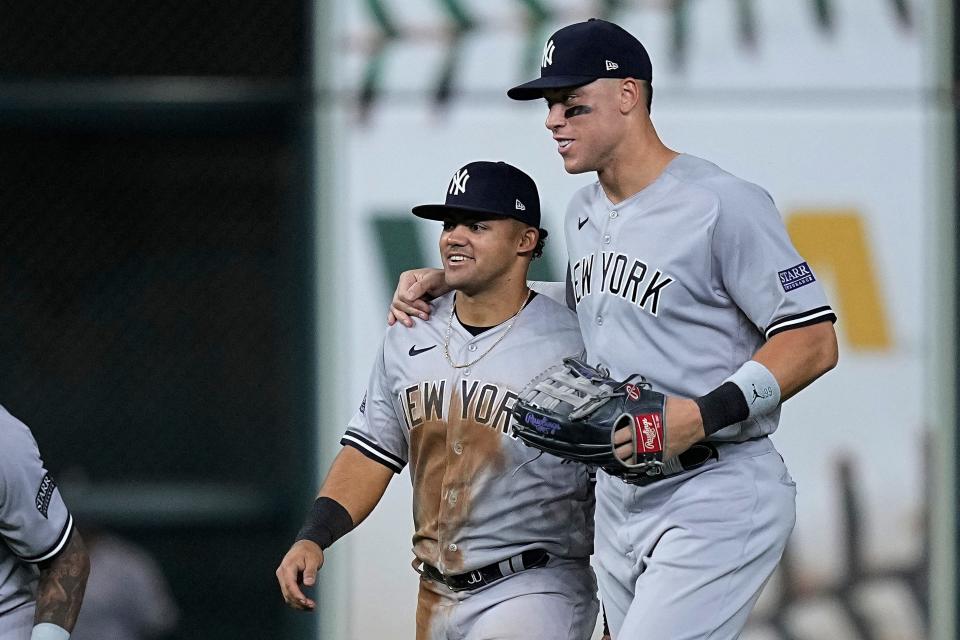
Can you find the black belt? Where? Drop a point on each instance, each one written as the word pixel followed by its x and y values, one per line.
pixel 694 457
pixel 490 573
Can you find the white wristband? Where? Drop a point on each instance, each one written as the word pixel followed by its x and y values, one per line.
pixel 760 389
pixel 48 631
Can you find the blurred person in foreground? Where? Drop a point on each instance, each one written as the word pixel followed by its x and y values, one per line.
pixel 43 562
pixel 127 597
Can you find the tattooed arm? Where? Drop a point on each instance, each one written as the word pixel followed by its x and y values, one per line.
pixel 62 582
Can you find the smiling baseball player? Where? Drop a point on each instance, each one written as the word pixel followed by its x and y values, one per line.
pixel 43 563
pixel 683 273
pixel 502 534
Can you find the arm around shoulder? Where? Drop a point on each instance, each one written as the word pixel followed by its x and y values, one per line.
pixel 415 289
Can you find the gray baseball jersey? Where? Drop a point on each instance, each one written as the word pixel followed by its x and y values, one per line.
pixel 685 280
pixel 34 525
pixel 479 494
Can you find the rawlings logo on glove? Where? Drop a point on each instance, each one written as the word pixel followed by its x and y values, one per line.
pixel 541 424
pixel 572 411
pixel 649 433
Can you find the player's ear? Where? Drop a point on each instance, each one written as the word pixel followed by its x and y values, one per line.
pixel 631 95
pixel 528 239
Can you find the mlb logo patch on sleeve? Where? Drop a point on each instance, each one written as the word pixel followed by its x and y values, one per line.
pixel 796 277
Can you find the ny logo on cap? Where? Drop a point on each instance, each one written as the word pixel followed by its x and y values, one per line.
pixel 612 65
pixel 548 50
pixel 459 183
pixel 520 206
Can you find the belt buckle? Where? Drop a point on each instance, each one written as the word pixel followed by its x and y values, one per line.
pixel 474 577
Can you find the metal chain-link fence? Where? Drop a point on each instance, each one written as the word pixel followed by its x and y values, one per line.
pixel 155 329
pixel 145 298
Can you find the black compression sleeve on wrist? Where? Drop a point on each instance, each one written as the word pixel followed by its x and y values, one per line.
pixel 327 521
pixel 722 407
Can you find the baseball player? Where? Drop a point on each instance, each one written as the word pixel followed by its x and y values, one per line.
pixel 502 534
pixel 684 273
pixel 43 563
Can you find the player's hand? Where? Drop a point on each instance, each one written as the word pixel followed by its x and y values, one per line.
pixel 682 423
pixel 300 565
pixel 414 291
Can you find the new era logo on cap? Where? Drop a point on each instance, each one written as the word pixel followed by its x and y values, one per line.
pixel 612 65
pixel 520 206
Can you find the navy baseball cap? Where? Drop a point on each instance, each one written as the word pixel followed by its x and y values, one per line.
pixel 583 52
pixel 488 190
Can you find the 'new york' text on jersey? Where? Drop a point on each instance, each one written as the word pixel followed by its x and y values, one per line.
pixel 479 494
pixel 683 281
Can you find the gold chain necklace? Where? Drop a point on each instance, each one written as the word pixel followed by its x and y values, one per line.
pixel 446 339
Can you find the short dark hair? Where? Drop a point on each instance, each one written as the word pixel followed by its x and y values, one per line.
pixel 538 250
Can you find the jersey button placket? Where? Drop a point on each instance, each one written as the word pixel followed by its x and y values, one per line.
pixel 472 347
pixel 607 237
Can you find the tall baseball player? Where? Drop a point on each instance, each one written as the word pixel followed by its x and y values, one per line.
pixel 43 563
pixel 684 273
pixel 503 534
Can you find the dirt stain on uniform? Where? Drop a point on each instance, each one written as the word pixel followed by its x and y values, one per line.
pixel 448 459
pixel 427 603
pixel 427 465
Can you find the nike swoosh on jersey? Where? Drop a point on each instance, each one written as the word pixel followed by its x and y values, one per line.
pixel 580 222
pixel 415 352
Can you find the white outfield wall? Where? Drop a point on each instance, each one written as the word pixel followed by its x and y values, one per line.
pixel 844 125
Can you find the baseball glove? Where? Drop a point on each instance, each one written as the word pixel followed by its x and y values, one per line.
pixel 572 410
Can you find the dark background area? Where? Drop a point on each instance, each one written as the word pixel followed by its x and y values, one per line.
pixel 155 271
